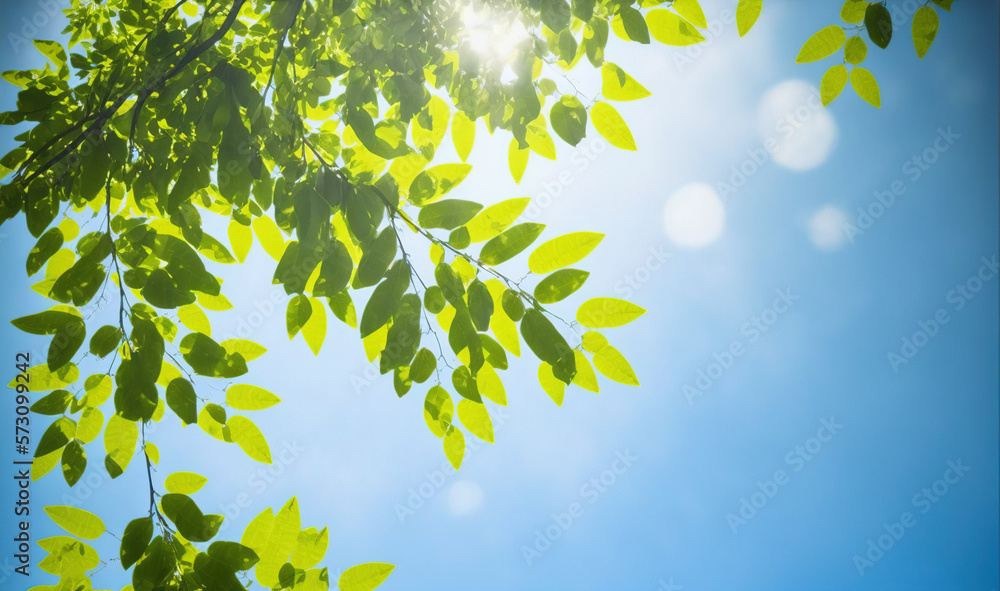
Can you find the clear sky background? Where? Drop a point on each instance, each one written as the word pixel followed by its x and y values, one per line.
pixel 360 454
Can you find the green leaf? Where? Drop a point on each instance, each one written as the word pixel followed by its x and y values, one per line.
pixel 448 214
pixel 68 330
pixel 249 350
pixel 569 119
pixel 98 387
pixel 833 83
pixel 385 299
pixel 55 403
pixel 747 13
pixel 945 4
pixel 208 358
pixel 463 134
pixel 616 85
pixel 58 434
pixel 157 564
pixel 546 342
pixel 562 251
pixel 74 462
pixel 80 523
pixel 182 399
pixel 246 434
pixel 49 244
pixel 510 243
pixel 454 446
pixel 823 44
pixel 90 425
pixel 495 219
pixel 435 182
pixel 438 410
pixel 559 285
pixel 556 16
pixel 52 50
pixel 670 29
pixel 611 126
pixel 866 86
pixel 855 50
pixel 634 24
pixel 403 338
pixel 423 366
pixel 614 366
pixel 480 305
pixel 135 540
pixel 105 340
pixel 377 258
pixel 368 576
pixel 853 11
pixel 512 305
pixel 190 521
pixel 925 28
pixel 878 22
pixel 185 483
pixel 476 419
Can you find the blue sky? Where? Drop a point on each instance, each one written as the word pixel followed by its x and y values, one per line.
pixel 835 305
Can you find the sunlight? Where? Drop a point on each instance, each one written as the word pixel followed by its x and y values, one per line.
pixel 464 497
pixel 792 116
pixel 826 228
pixel 492 34
pixel 694 216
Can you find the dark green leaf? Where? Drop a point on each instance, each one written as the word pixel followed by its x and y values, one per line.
pixel 559 285
pixel 878 22
pixel 447 214
pixel 548 344
pixel 136 538
pixel 510 243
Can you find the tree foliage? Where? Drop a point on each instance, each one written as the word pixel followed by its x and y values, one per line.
pixel 310 127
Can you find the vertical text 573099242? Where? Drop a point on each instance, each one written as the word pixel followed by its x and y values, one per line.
pixel 22 468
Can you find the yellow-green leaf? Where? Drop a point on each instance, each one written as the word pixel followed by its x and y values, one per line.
pixel 463 134
pixel 495 219
pixel 90 425
pixel 855 50
pixel 691 10
pixel 476 419
pixel 616 85
pixel 853 11
pixel 747 13
pixel 80 523
pixel 185 483
pixel 833 83
pixel 248 349
pixel 670 29
pixel 585 377
pixel 192 316
pixel 314 331
pixel 562 251
pixel 553 386
pixel 925 28
pixel 611 126
pixel 40 379
pixel 865 85
pixel 823 44
pixel 454 446
pixel 607 313
pixel 246 434
pixel 504 329
pixel 613 365
pixel 249 397
pixel 364 577
pixel 269 236
pixel 310 548
pixel 517 160
pixel 241 238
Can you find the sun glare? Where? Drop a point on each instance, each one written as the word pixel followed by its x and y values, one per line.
pixel 492 34
pixel 694 216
